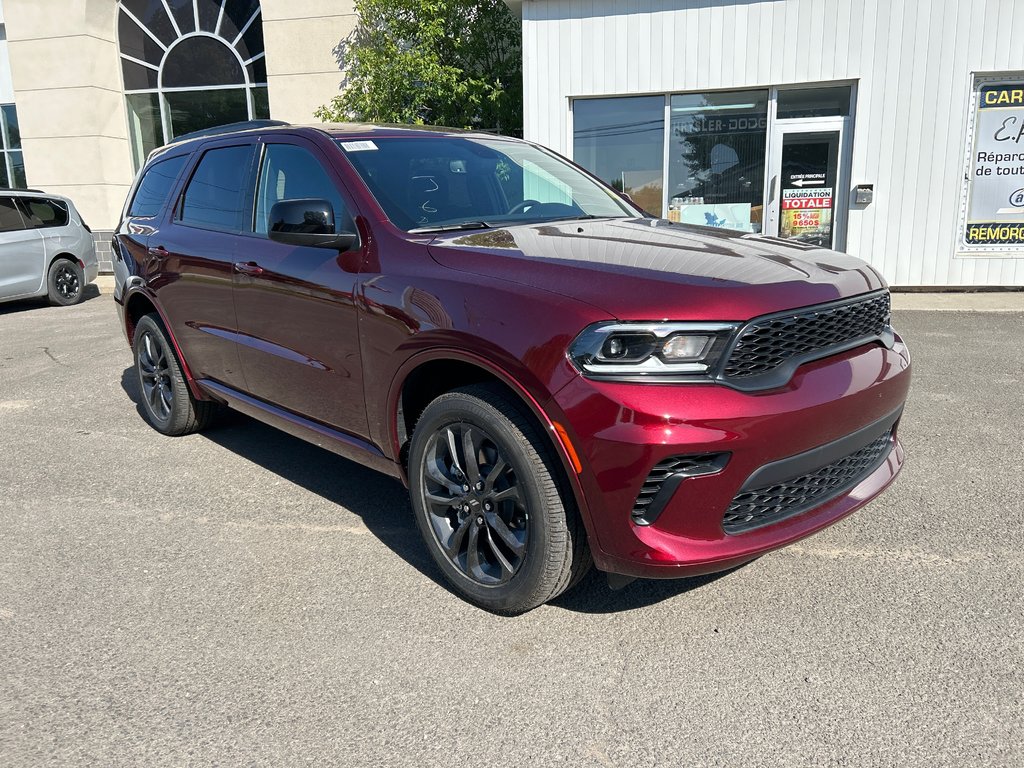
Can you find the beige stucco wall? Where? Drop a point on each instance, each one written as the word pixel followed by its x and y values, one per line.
pixel 302 69
pixel 67 88
pixel 67 84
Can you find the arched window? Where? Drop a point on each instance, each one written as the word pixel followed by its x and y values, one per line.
pixel 189 65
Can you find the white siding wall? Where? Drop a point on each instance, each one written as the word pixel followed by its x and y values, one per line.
pixel 912 60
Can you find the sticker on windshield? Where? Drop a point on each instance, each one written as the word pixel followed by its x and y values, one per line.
pixel 358 146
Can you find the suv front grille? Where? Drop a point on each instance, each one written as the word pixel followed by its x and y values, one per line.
pixel 766 344
pixel 762 506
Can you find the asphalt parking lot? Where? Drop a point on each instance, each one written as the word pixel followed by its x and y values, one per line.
pixel 240 597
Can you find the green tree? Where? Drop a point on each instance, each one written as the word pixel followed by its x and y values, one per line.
pixel 438 62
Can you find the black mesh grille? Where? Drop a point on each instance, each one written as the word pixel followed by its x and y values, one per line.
pixel 766 344
pixel 685 465
pixel 761 506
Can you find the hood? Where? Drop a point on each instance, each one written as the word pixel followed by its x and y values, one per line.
pixel 644 269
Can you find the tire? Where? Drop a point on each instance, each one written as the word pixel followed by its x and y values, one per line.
pixel 65 283
pixel 166 401
pixel 496 518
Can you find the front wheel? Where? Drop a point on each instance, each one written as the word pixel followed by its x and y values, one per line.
pixel 487 499
pixel 64 283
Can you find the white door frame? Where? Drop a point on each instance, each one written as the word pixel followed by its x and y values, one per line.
pixel 773 170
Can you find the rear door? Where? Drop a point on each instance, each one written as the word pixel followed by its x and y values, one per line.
pixel 191 257
pixel 296 311
pixel 22 253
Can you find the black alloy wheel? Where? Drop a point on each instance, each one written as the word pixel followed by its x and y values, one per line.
pixel 65 282
pixel 492 503
pixel 477 513
pixel 167 403
pixel 155 375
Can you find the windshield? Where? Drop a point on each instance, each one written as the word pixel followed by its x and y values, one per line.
pixel 432 184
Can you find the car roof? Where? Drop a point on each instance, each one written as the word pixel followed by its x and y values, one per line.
pixel 334 130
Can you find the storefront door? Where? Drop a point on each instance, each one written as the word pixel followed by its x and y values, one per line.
pixel 808 182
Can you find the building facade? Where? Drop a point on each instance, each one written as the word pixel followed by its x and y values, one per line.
pixel 891 129
pixel 89 87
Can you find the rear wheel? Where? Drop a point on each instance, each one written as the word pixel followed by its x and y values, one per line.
pixel 487 499
pixel 64 283
pixel 166 401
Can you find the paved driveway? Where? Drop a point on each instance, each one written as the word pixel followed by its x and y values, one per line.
pixel 240 597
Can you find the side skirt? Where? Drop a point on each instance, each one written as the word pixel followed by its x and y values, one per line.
pixel 341 443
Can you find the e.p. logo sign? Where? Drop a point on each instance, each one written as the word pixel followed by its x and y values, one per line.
pixel 993 195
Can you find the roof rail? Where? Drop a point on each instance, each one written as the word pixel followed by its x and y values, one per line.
pixel 245 125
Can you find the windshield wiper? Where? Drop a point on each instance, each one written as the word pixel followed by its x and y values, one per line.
pixel 451 227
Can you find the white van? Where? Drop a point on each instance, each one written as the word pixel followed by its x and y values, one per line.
pixel 45 248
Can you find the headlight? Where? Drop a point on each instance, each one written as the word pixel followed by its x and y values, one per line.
pixel 650 351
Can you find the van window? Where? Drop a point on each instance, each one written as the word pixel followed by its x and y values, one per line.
pixel 156 186
pixel 43 213
pixel 10 218
pixel 292 173
pixel 213 198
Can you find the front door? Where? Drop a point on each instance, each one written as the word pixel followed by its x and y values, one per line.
pixel 297 317
pixel 807 186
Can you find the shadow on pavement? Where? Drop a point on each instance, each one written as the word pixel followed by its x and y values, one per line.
pixel 383 505
pixel 90 292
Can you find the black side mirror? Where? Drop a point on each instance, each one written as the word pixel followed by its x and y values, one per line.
pixel 308 222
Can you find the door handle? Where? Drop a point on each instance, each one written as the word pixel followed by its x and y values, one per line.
pixel 159 252
pixel 250 268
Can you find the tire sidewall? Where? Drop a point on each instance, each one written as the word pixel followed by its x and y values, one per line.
pixel 455 408
pixel 55 296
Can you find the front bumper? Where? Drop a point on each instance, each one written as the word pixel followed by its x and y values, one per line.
pixel 621 431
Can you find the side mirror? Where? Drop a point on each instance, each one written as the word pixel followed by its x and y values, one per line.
pixel 307 222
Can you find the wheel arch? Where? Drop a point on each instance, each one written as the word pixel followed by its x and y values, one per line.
pixel 428 375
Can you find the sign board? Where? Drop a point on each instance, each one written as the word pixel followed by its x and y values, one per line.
pixel 807 214
pixel 992 198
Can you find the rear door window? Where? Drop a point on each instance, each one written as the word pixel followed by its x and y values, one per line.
pixel 44 213
pixel 214 196
pixel 10 217
pixel 156 186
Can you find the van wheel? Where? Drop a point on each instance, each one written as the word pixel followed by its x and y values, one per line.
pixel 64 283
pixel 487 499
pixel 166 401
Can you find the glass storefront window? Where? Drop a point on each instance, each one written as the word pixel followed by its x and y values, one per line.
pixel 12 162
pixel 621 141
pixel 179 78
pixel 717 144
pixel 194 110
pixel 832 101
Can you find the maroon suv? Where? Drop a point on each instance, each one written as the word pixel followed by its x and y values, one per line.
pixel 559 378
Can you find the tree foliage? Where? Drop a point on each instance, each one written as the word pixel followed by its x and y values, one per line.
pixel 439 62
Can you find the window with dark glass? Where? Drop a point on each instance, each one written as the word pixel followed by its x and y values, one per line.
pixel 156 186
pixel 10 218
pixel 717 147
pixel 213 197
pixel 831 101
pixel 180 77
pixel 43 213
pixel 12 163
pixel 292 173
pixel 621 141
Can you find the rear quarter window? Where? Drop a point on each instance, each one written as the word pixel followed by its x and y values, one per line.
pixel 44 213
pixel 10 217
pixel 156 186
